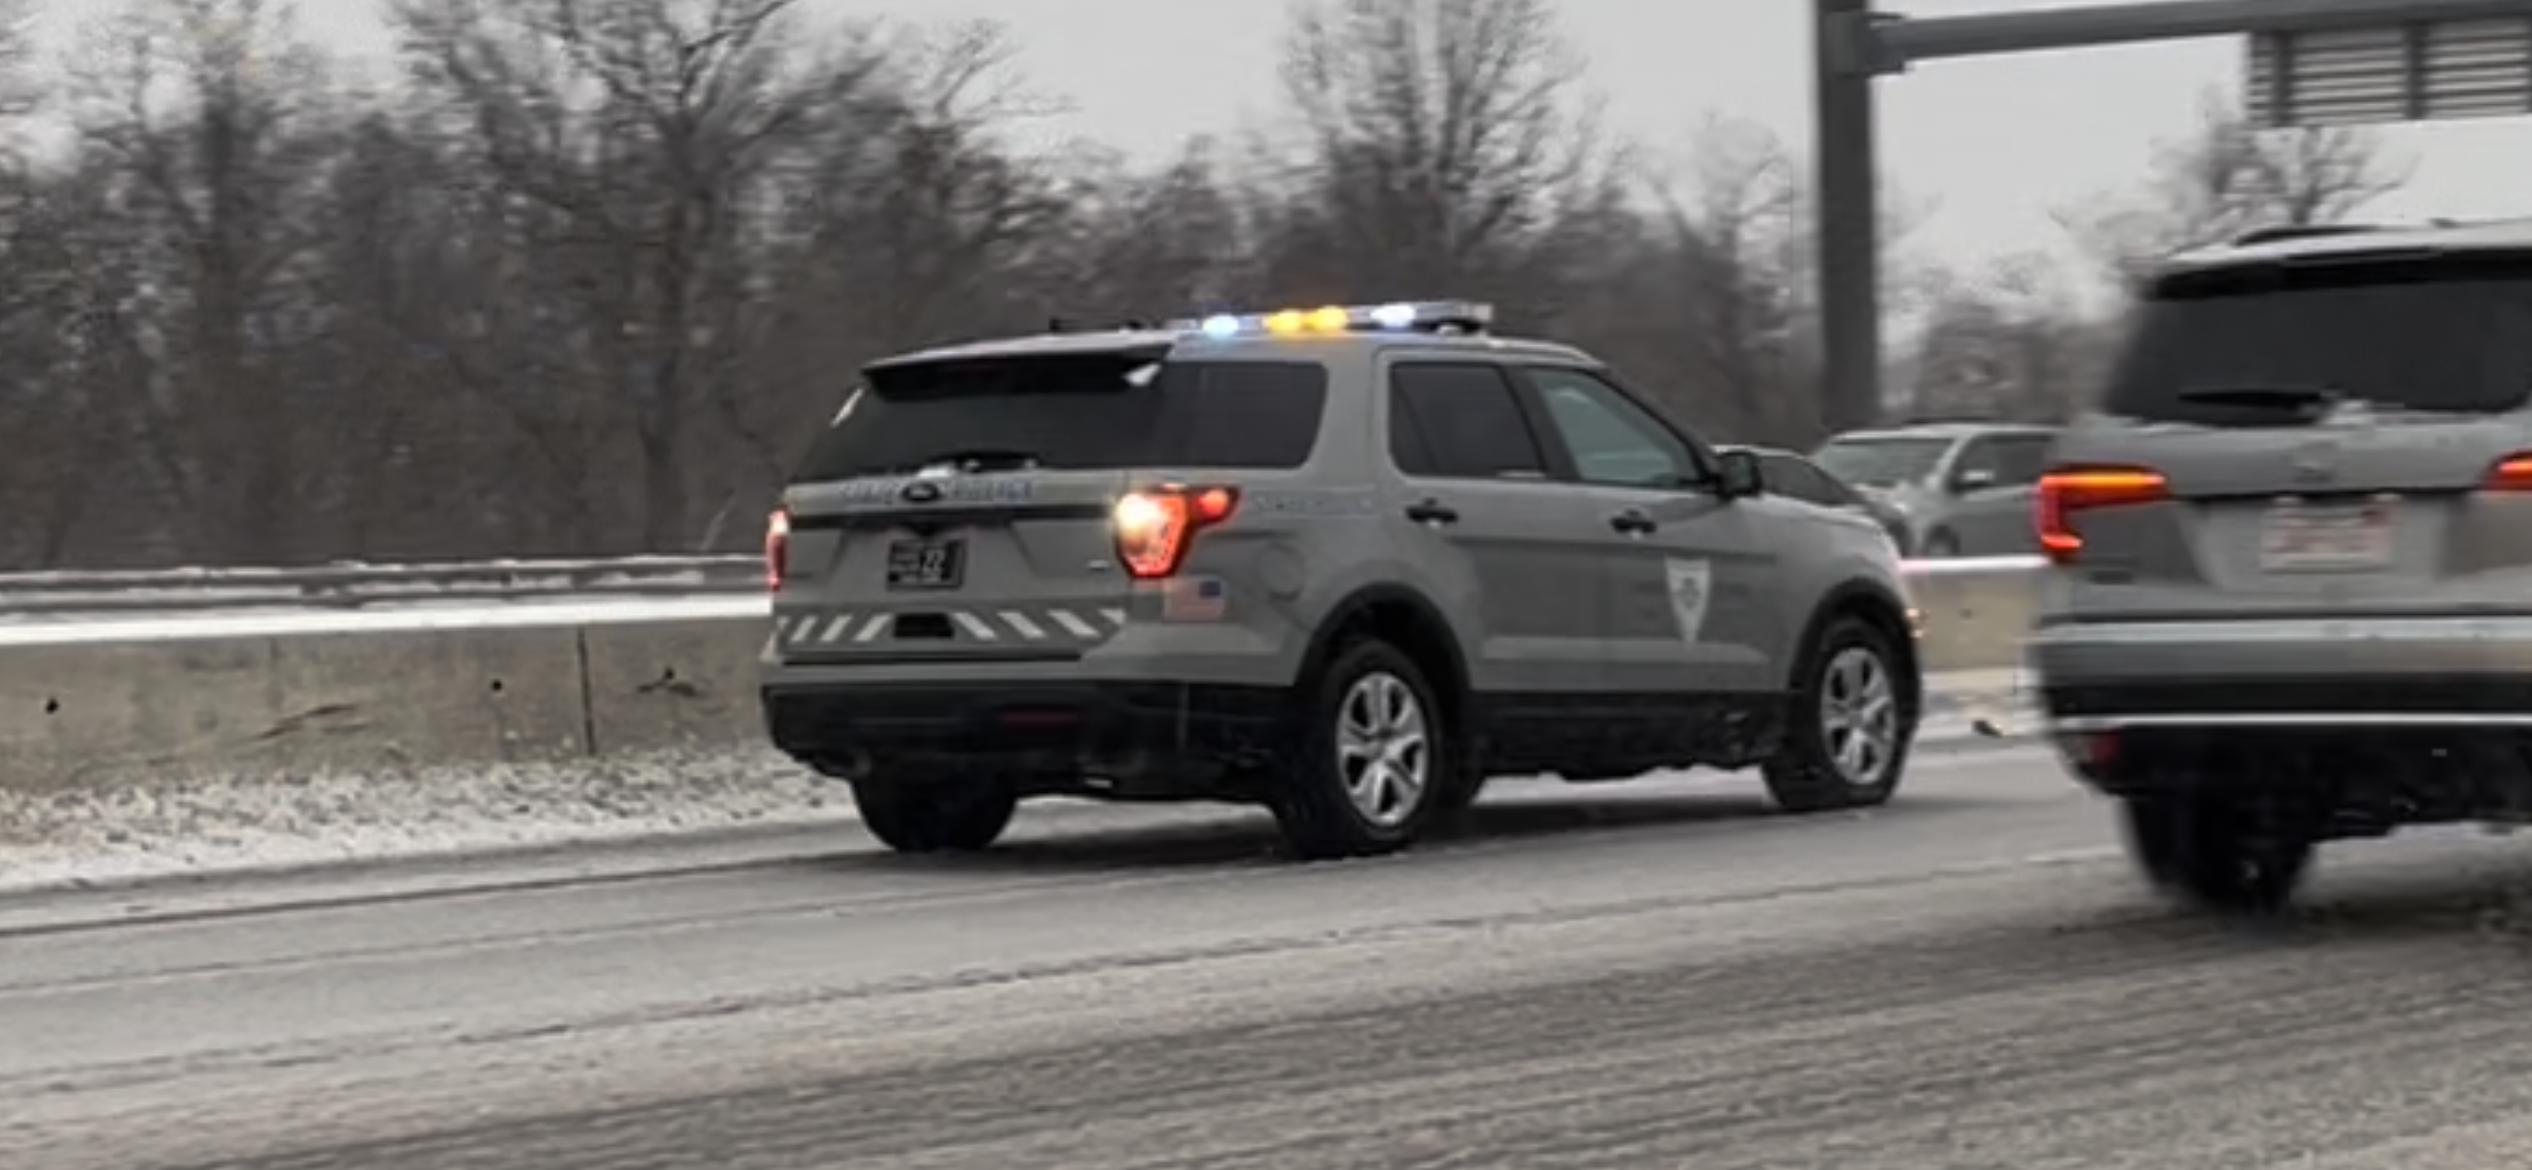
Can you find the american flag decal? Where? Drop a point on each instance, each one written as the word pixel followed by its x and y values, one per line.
pixel 1195 599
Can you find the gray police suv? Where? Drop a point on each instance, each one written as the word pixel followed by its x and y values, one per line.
pixel 1344 563
pixel 2292 593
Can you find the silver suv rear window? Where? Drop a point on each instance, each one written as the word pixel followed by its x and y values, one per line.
pixel 1077 412
pixel 2415 331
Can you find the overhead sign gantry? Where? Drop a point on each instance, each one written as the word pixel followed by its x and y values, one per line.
pixel 2309 63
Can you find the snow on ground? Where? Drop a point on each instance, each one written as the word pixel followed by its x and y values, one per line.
pixel 80 838
pixel 279 821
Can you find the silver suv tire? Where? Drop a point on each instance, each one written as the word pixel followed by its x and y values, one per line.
pixel 1371 755
pixel 2215 850
pixel 934 816
pixel 1849 727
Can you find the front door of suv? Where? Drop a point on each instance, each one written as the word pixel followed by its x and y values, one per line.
pixel 1690 581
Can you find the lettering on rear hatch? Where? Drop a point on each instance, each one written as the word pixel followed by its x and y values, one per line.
pixel 1313 503
pixel 889 493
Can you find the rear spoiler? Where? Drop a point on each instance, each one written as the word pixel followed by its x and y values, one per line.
pixel 1129 348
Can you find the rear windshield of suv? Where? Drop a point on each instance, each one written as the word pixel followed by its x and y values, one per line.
pixel 2414 332
pixel 1079 412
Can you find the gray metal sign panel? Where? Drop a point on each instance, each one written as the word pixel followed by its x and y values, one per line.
pixel 2400 73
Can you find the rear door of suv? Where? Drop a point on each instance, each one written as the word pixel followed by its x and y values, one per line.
pixel 2327 433
pixel 961 509
pixel 1515 556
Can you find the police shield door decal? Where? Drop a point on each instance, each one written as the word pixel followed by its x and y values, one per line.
pixel 1691 583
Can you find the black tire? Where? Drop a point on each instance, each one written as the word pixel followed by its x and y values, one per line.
pixel 2216 852
pixel 1939 546
pixel 1314 803
pixel 1805 775
pixel 934 816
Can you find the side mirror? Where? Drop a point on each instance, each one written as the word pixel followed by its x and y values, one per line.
pixel 1739 476
pixel 1973 479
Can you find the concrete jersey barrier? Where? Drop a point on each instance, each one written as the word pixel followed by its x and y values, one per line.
pixel 175 701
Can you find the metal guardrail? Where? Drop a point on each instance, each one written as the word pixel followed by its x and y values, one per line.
pixel 353 586
pixel 349 586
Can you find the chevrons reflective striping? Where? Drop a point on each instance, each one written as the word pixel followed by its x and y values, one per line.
pixel 1030 624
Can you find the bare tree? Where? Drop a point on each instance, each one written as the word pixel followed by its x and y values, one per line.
pixel 2015 341
pixel 2228 176
pixel 632 140
pixel 1712 305
pixel 600 271
pixel 215 187
pixel 1450 151
pixel 1135 243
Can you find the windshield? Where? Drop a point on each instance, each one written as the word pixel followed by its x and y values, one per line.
pixel 1096 412
pixel 1886 461
pixel 2265 346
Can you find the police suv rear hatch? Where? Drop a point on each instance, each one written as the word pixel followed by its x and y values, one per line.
pixel 959 507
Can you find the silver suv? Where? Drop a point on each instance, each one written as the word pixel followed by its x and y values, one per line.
pixel 1962 489
pixel 2292 594
pixel 1345 564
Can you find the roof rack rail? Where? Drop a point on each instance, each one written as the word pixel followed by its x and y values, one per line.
pixel 2299 231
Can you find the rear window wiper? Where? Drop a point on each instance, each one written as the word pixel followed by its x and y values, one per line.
pixel 975 459
pixel 2280 397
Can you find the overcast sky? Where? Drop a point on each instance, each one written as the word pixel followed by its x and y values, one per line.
pixel 1994 144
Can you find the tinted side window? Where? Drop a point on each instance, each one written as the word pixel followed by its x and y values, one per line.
pixel 2451 333
pixel 1792 477
pixel 1975 456
pixel 2021 458
pixel 1459 421
pixel 1087 412
pixel 1612 440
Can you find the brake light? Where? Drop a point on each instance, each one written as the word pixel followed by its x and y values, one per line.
pixel 2066 491
pixel 777 547
pixel 2510 474
pixel 1155 528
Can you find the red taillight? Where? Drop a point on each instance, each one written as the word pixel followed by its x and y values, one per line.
pixel 777 547
pixel 1154 528
pixel 2510 474
pixel 2068 490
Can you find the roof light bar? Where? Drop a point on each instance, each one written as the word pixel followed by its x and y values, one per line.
pixel 1457 317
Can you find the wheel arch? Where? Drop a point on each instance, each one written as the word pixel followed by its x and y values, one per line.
pixel 1404 617
pixel 1877 605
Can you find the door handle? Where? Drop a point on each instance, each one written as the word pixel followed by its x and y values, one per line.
pixel 1633 522
pixel 1432 512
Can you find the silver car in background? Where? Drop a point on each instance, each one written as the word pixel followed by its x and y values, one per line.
pixel 1791 476
pixel 1960 489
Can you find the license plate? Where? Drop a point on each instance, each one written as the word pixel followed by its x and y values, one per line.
pixel 2299 538
pixel 926 564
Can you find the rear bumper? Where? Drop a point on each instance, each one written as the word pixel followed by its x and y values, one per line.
pixel 2287 672
pixel 2385 722
pixel 1123 733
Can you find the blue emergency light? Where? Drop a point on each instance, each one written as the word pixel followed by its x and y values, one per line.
pixel 1454 317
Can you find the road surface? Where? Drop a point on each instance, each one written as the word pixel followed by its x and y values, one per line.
pixel 1638 977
